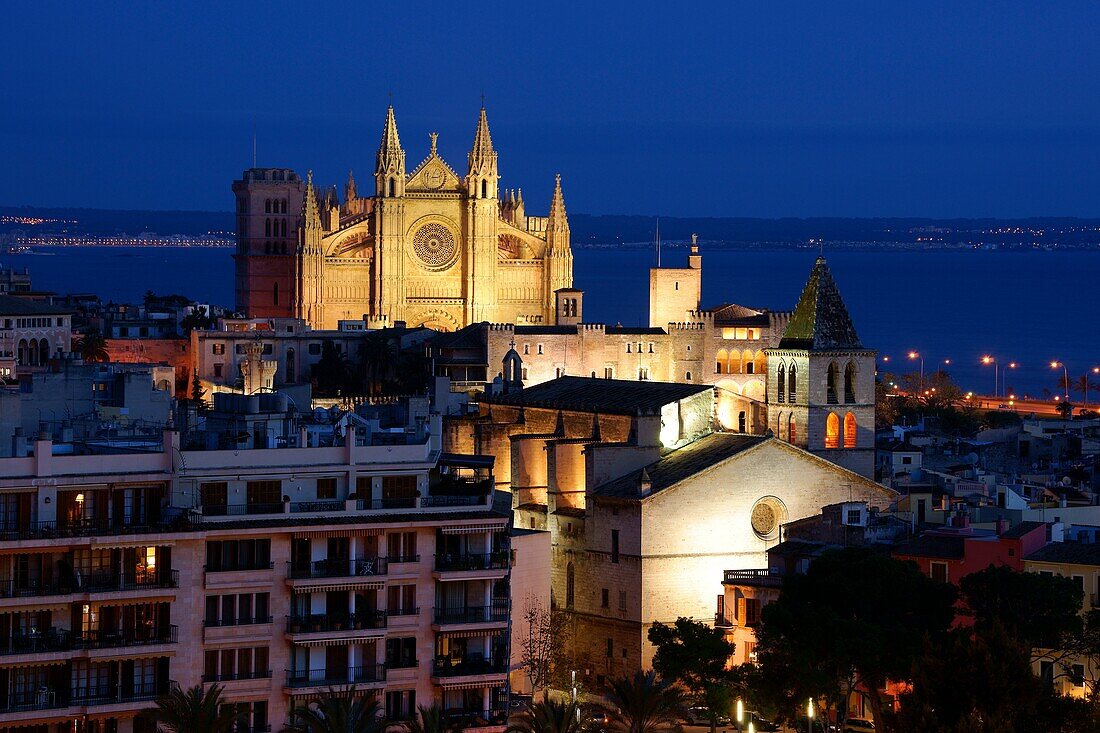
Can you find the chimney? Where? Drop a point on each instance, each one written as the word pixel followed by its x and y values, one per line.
pixel 645 484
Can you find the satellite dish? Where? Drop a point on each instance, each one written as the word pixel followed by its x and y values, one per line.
pixel 971 458
pixel 1067 481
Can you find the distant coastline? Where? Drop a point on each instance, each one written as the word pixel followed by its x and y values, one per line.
pixel 73 227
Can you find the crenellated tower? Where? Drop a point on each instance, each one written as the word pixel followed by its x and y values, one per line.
pixel 311 258
pixel 483 212
pixel 558 271
pixel 388 296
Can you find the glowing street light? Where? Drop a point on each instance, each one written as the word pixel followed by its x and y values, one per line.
pixel 1065 372
pixel 987 360
pixel 740 714
pixel 913 356
pixel 810 715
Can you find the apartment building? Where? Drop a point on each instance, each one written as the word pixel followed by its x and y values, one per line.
pixel 278 572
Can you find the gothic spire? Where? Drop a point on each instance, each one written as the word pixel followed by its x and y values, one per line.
pixel 557 219
pixel 309 211
pixel 482 152
pixel 820 320
pixel 390 153
pixel 349 188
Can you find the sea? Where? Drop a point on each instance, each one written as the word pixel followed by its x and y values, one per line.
pixel 1024 307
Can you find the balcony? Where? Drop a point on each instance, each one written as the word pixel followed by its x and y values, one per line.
pixel 463 719
pixel 469 666
pixel 338 568
pixel 126 638
pixel 18 702
pixel 96 697
pixel 332 505
pixel 463 562
pixel 237 676
pixel 721 622
pixel 225 568
pixel 472 614
pixel 328 622
pixel 214 623
pixel 91 583
pixel 757 577
pixel 390 502
pixel 51 529
pixel 39 642
pixel 368 674
pixel 238 510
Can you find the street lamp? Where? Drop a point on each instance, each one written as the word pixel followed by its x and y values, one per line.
pixel 740 714
pixel 915 355
pixel 810 716
pixel 996 372
pixel 1065 371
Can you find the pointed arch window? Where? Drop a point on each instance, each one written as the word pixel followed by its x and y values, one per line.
pixel 267 206
pixel 741 421
pixel 792 385
pixel 267 227
pixel 850 429
pixel 832 431
pixel 831 385
pixel 282 228
pixel 484 189
pixel 791 436
pixel 275 293
pixel 392 188
pixel 781 376
pixel 570 577
pixel 850 383
pixel 720 362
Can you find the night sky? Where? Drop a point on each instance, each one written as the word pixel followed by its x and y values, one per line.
pixel 739 109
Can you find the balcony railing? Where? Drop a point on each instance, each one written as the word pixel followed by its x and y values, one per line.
pixel 390 502
pixel 487 561
pixel 472 614
pixel 343 676
pixel 755 576
pixel 236 510
pixel 262 674
pixel 402 664
pixel 238 568
pixel 476 718
pixel 32 700
pixel 50 640
pixel 94 697
pixel 471 665
pixel 721 622
pixel 317 622
pixel 237 621
pixel 51 529
pixel 125 638
pixel 332 505
pixel 403 558
pixel 403 611
pixel 91 583
pixel 451 501
pixel 338 568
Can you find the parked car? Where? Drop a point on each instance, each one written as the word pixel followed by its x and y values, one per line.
pixel 759 722
pixel 700 715
pixel 858 725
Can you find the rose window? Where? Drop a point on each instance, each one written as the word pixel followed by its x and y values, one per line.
pixel 434 245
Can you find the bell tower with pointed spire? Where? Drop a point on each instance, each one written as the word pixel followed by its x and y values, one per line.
pixel 483 212
pixel 311 259
pixel 387 305
pixel 821 380
pixel 558 270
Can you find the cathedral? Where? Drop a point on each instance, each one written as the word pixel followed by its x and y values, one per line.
pixel 428 248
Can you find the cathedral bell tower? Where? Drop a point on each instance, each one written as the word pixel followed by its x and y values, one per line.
pixel 483 210
pixel 821 380
pixel 558 271
pixel 311 259
pixel 388 296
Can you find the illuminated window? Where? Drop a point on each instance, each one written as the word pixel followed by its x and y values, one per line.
pixel 832 431
pixel 791 435
pixel 849 431
pixel 720 362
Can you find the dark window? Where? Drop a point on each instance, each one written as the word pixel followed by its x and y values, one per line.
pixel 614 545
pixel 569 585
pixel 610 646
pixel 605 598
pixel 326 488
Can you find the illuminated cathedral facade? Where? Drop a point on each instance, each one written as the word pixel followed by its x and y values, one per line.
pixel 428 248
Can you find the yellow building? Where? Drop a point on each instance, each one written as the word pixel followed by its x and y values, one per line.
pixel 430 247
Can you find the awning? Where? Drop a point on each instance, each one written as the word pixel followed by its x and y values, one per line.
pixel 467 634
pixel 342 584
pixel 122 544
pixel 343 640
pixel 323 534
pixel 464 685
pixel 466 461
pixel 474 528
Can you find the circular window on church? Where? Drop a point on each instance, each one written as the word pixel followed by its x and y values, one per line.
pixel 767 514
pixel 434 245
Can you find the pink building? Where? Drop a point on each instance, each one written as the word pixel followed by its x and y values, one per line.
pixel 276 572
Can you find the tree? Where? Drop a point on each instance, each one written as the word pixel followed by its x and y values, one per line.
pixel 196 710
pixel 338 712
pixel 92 346
pixel 429 720
pixel 855 619
pixel 546 716
pixel 332 371
pixel 196 319
pixel 645 704
pixel 1065 409
pixel 198 394
pixel 1039 610
pixel 695 655
pixel 543 651
pixel 972 682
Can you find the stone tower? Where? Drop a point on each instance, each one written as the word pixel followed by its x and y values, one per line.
pixel 268 206
pixel 821 380
pixel 483 209
pixel 389 213
pixel 559 254
pixel 311 258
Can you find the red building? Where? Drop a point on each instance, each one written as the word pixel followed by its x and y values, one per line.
pixel 952 553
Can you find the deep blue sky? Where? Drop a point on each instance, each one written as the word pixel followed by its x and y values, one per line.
pixel 740 109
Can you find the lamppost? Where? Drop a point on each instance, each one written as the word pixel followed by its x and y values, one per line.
pixel 740 713
pixel 810 716
pixel 914 355
pixel 1065 372
pixel 996 373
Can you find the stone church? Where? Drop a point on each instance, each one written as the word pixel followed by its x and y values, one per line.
pixel 430 247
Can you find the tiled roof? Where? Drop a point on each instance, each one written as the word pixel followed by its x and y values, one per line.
pixel 1021 529
pixel 740 315
pixel 937 546
pixel 1075 553
pixel 820 320
pixel 680 464
pixel 12 306
pixel 606 396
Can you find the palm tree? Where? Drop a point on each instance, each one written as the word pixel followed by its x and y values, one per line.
pixel 338 712
pixel 645 704
pixel 196 710
pixel 430 720
pixel 92 346
pixel 546 716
